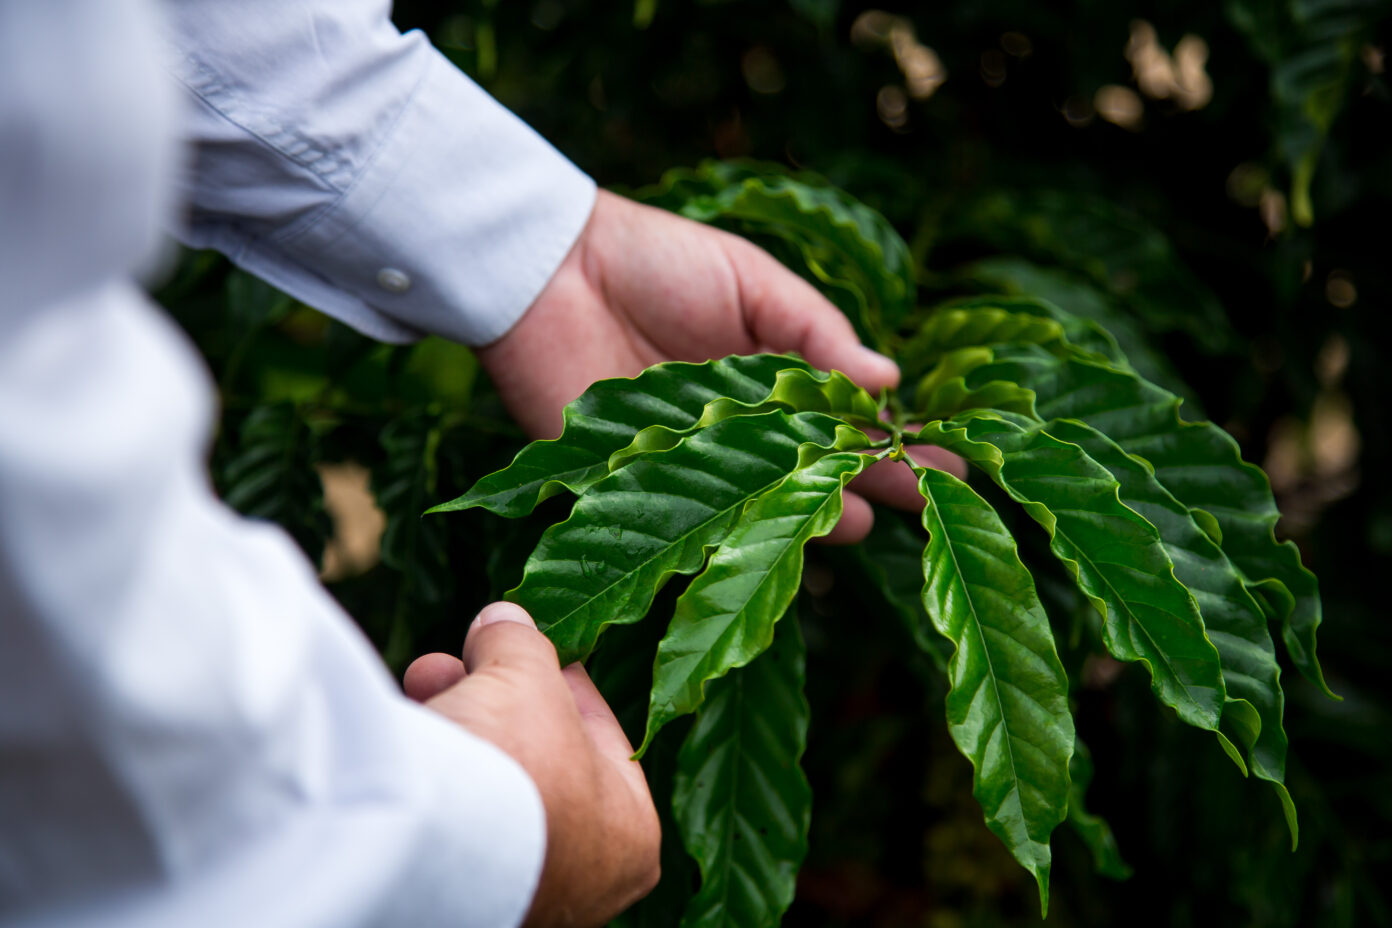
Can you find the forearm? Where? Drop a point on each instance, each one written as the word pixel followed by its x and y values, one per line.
pixel 358 170
pixel 193 733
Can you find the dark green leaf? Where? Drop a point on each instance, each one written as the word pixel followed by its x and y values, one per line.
pixel 1007 708
pixel 657 516
pixel 1197 462
pixel 1115 555
pixel 842 242
pixel 983 323
pixel 1232 618
pixel 741 800
pixel 1093 320
pixel 415 549
pixel 1116 249
pixel 615 419
pixel 726 616
pixel 1311 47
pixel 271 475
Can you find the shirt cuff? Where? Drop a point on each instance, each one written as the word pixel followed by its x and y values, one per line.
pixel 454 226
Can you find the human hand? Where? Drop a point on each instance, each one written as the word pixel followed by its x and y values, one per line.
pixel 602 831
pixel 642 286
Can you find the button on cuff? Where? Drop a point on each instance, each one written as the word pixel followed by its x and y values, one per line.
pixel 393 280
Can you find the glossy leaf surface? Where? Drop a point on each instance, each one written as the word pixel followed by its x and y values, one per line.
pixel 607 417
pixel 741 800
pixel 1007 708
pixel 1115 556
pixel 1197 462
pixel 726 616
pixel 980 324
pixel 1093 319
pixel 851 250
pixel 656 517
pixel 1232 618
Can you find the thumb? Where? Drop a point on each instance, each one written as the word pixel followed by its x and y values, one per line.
pixel 785 313
pixel 503 635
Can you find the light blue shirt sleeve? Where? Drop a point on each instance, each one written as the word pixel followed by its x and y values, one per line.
pixel 191 730
pixel 358 170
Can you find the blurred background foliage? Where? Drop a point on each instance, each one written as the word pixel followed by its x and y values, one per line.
pixel 1212 181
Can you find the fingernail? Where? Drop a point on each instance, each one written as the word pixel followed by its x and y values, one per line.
pixel 504 612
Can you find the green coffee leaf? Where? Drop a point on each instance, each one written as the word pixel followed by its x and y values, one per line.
pixel 271 475
pixel 1197 462
pixel 1093 320
pixel 979 324
pixel 793 390
pixel 848 249
pixel 1116 249
pixel 415 549
pixel 1115 555
pixel 741 800
pixel 607 417
pixel 656 517
pixel 1007 708
pixel 943 391
pixel 1232 618
pixel 726 616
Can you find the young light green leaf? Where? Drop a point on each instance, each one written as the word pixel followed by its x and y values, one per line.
pixel 656 517
pixel 1091 828
pixel 843 245
pixel 1197 462
pixel 741 800
pixel 607 417
pixel 1232 618
pixel 1093 321
pixel 1115 555
pixel 943 391
pixel 793 390
pixel 982 324
pixel 1007 708
pixel 726 616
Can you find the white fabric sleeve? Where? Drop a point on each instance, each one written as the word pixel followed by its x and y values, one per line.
pixel 358 170
pixel 192 732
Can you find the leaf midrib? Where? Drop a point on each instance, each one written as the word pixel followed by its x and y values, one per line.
pixel 1060 531
pixel 986 651
pixel 777 562
pixel 682 538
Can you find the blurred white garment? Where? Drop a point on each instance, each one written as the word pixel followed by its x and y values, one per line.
pixel 191 731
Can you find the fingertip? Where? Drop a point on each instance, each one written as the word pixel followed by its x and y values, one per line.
pixel 857 518
pixel 503 611
pixel 503 631
pixel 939 459
pixel 891 483
pixel 431 674
pixel 878 372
